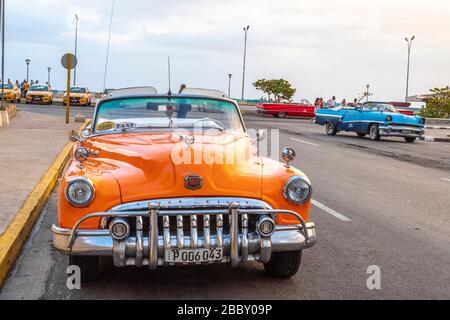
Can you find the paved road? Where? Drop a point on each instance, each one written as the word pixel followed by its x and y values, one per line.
pixel 56 109
pixel 385 204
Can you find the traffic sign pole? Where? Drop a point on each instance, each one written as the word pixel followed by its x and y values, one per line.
pixel 69 66
pixel 68 61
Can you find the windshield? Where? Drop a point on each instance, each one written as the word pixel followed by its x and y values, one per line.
pixel 39 88
pixel 380 107
pixel 78 90
pixel 168 114
pixel 6 86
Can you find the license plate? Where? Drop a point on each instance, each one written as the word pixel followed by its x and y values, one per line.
pixel 407 131
pixel 188 256
pixel 37 98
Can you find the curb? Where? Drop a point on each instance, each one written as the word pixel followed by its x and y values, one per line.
pixel 432 139
pixel 437 128
pixel 17 233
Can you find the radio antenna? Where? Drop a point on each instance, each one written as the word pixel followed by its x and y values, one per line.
pixel 170 84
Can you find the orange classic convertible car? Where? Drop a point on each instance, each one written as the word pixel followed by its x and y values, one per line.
pixel 165 180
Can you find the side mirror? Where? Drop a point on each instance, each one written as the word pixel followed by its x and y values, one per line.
pixel 75 137
pixel 288 155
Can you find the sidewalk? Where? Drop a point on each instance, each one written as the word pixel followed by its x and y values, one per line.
pixel 29 145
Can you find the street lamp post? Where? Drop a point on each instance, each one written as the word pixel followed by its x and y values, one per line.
pixel 49 70
pixel 2 24
pixel 109 44
pixel 409 41
pixel 229 85
pixel 245 61
pixel 76 48
pixel 28 69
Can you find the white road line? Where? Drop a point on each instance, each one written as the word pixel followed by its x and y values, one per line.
pixel 443 179
pixel 330 211
pixel 305 142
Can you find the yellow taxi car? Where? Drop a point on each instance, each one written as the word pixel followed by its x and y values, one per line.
pixel 39 94
pixel 79 96
pixel 12 92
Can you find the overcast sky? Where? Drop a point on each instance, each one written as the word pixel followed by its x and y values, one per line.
pixel 323 47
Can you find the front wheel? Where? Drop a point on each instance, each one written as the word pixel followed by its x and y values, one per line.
pixel 282 115
pixel 375 133
pixel 332 130
pixel 410 139
pixel 284 265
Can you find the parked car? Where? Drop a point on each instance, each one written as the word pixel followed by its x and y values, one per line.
pixel 39 94
pixel 133 192
pixel 12 92
pixel 78 96
pixel 282 110
pixel 376 119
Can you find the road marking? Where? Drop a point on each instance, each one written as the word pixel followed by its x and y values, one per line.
pixel 330 211
pixel 443 179
pixel 305 142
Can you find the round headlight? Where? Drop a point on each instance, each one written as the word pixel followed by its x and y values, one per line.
pixel 297 190
pixel 80 192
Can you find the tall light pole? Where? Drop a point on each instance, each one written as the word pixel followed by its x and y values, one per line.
pixel 76 49
pixel 245 60
pixel 49 69
pixel 2 25
pixel 28 69
pixel 409 41
pixel 109 43
pixel 229 85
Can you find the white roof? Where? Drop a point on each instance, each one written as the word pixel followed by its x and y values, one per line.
pixel 132 91
pixel 204 92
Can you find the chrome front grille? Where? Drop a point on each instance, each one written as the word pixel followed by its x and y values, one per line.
pixel 161 225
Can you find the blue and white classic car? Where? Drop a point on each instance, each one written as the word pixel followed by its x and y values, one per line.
pixel 376 119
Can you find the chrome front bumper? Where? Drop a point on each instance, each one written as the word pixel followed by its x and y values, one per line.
pixel 239 246
pixel 402 131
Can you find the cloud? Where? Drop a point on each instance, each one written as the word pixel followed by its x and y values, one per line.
pixel 323 47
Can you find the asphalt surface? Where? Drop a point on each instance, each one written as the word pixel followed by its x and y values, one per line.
pixel 390 206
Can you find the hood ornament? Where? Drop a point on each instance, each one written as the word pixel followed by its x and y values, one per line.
pixel 189 140
pixel 193 182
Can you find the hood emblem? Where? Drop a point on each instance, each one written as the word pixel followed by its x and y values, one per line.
pixel 193 182
pixel 189 140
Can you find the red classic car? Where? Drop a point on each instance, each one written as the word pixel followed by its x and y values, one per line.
pixel 282 110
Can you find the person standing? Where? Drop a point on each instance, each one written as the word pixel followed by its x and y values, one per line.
pixel 332 102
pixel 25 87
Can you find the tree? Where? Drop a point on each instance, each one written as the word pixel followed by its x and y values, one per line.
pixel 439 105
pixel 280 89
